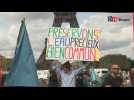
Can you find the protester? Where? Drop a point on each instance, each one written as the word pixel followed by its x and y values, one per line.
pixel 126 78
pixel 114 78
pixel 95 80
pixel 132 77
pixel 53 79
pixel 86 79
pixel 1 72
pixel 79 80
pixel 67 74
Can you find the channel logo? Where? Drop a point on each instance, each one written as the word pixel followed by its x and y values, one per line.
pixel 116 19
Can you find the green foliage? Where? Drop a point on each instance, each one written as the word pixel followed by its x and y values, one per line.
pixel 105 62
pixel 7 63
pixel 124 62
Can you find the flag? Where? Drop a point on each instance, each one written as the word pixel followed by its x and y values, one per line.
pixel 93 75
pixel 23 72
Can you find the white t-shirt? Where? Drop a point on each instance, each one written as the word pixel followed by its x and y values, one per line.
pixel 68 79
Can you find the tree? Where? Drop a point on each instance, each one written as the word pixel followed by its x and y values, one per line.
pixel 119 59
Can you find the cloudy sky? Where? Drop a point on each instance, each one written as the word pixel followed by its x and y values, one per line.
pixel 116 37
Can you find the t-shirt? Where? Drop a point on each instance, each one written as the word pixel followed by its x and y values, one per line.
pixel 68 79
pixel 113 82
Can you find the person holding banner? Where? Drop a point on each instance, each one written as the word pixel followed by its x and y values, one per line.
pixel 67 74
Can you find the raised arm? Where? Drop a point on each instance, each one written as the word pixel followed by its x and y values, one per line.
pixel 56 66
pixel 76 71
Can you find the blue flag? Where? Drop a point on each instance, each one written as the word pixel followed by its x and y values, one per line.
pixel 23 71
pixel 93 75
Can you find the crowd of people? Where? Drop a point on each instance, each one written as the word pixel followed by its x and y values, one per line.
pixel 66 75
pixel 83 75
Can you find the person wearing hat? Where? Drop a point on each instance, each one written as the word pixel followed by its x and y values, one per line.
pixel 67 74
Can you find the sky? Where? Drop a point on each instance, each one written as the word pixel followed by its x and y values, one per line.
pixel 116 38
